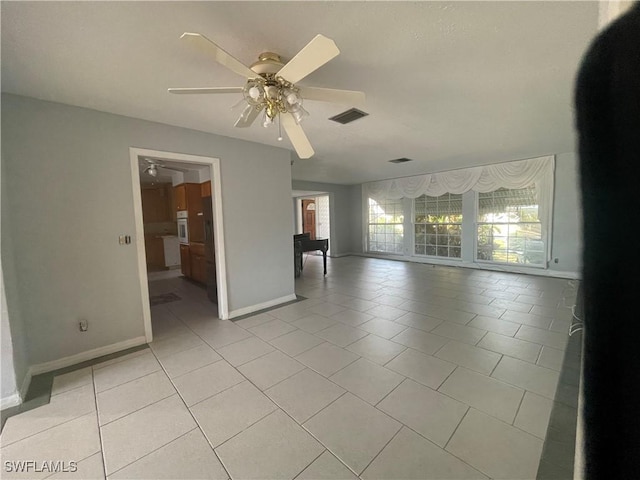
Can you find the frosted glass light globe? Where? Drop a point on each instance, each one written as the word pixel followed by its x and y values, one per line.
pixel 292 99
pixel 254 92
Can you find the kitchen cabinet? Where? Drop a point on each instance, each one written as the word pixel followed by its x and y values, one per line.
pixel 180 192
pixel 154 249
pixel 188 197
pixel 198 262
pixel 156 203
pixel 185 261
pixel 205 189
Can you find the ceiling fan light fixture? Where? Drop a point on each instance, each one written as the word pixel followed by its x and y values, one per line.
pixel 254 92
pixel 299 113
pixel 153 171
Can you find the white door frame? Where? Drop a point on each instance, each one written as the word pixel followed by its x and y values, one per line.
pixel 218 226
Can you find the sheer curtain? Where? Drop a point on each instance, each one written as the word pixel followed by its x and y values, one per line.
pixel 516 174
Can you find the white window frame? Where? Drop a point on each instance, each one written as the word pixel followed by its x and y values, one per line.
pixel 368 225
pixel 476 260
pixel 413 233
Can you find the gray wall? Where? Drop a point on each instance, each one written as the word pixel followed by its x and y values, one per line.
pixel 67 178
pixel 7 372
pixel 357 218
pixel 341 209
pixel 15 362
pixel 567 216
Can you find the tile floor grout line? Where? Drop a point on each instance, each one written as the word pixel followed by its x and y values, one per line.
pixel 390 392
pixel 102 449
pixel 248 361
pixel 469 407
pixel 134 411
pixel 128 381
pixel 324 408
pixel 312 461
pixel 496 365
pixel 524 393
pixel 382 449
pixel 155 450
pixel 194 419
pixel 46 429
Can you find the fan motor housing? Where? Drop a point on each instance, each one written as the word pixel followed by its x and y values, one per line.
pixel 268 63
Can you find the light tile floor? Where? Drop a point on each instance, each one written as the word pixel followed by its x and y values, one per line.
pixel 387 370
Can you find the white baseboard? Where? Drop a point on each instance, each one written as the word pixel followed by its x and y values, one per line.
pixel 26 382
pixel 338 255
pixel 10 401
pixel 261 306
pixel 477 266
pixel 84 356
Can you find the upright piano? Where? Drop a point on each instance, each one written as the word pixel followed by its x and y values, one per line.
pixel 303 243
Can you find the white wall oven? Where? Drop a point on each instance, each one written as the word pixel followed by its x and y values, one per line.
pixel 183 227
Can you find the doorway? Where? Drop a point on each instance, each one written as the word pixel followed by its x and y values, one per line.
pixel 309 217
pixel 212 166
pixel 312 214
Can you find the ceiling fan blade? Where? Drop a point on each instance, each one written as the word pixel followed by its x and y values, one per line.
pixel 248 116
pixel 297 136
pixel 220 55
pixel 343 97
pixel 315 54
pixel 206 90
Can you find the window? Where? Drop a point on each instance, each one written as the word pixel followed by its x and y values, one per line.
pixel 509 228
pixel 438 225
pixel 386 230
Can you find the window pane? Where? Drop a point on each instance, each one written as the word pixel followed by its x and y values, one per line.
pixel 441 218
pixel 386 230
pixel 509 229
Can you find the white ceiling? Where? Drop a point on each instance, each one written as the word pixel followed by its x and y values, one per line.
pixel 448 84
pixel 166 175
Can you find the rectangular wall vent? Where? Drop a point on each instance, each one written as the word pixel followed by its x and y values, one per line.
pixel 401 160
pixel 349 116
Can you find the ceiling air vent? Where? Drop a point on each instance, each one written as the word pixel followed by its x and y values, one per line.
pixel 401 160
pixel 349 116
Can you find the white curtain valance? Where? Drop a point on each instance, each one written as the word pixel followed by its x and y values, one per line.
pixel 517 174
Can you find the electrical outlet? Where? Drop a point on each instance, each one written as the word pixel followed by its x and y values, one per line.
pixel 83 325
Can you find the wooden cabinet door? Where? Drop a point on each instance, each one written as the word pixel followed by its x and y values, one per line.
pixel 181 197
pixel 198 268
pixel 155 204
pixel 206 189
pixel 154 250
pixel 185 260
pixel 196 219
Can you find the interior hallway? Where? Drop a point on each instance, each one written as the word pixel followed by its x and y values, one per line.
pixel 387 370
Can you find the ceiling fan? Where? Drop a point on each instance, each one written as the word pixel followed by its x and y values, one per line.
pixel 152 169
pixel 271 86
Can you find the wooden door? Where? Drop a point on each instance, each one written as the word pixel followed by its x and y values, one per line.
pixel 309 218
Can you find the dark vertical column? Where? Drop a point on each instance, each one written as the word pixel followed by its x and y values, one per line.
pixel 608 121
